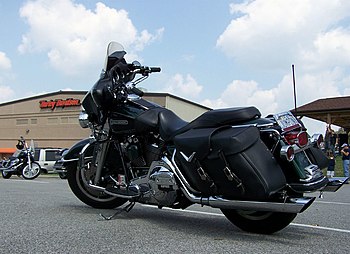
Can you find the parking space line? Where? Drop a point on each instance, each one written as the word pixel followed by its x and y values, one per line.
pixel 221 215
pixel 332 203
pixel 320 227
pixel 23 180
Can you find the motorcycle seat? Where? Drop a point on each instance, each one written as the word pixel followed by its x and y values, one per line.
pixel 171 125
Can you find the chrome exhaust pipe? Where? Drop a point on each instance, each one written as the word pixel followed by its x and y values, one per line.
pixel 335 183
pixel 291 205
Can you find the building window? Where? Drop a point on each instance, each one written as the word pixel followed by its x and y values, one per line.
pixel 72 120
pixel 52 120
pixel 69 120
pixel 21 121
pixel 64 119
pixel 33 121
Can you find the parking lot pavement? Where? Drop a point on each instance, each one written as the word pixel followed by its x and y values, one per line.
pixel 43 216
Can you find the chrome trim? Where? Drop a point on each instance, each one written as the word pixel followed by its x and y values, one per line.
pixel 84 120
pixel 133 97
pixel 284 153
pixel 291 205
pixel 82 152
pixel 118 195
pixel 315 138
pixel 307 183
pixel 188 159
pixel 335 183
pixel 99 188
pixel 178 173
pixel 70 160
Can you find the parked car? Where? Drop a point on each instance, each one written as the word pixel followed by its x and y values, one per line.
pixel 46 157
pixel 58 167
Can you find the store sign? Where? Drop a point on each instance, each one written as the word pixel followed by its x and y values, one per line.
pixel 59 103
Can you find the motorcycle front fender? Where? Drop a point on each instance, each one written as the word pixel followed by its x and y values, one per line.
pixel 74 151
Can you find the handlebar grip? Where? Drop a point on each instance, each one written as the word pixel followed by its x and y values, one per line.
pixel 155 69
pixel 137 91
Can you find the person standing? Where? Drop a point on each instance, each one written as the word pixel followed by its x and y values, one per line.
pixel 330 139
pixel 345 157
pixel 331 165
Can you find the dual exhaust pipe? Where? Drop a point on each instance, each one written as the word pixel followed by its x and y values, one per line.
pixel 290 205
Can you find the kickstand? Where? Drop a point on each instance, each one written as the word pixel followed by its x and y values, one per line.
pixel 127 209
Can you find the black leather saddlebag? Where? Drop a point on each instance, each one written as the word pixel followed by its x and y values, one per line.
pixel 318 157
pixel 232 162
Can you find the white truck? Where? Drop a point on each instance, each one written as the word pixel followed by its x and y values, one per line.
pixel 46 157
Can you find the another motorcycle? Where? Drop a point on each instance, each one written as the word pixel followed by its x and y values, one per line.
pixel 21 163
pixel 256 170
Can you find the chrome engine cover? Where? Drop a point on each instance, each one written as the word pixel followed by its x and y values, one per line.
pixel 161 183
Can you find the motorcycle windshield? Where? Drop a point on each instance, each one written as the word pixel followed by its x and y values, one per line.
pixel 16 153
pixel 115 52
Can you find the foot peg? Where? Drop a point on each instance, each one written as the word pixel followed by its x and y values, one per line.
pixel 131 191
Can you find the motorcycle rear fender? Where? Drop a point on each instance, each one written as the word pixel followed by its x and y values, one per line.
pixel 74 151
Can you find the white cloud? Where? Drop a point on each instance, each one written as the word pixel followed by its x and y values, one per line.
pixel 273 34
pixel 6 93
pixel 329 49
pixel 5 62
pixel 183 86
pixel 74 37
pixel 245 93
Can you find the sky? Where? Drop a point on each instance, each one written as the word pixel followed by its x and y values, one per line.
pixel 217 53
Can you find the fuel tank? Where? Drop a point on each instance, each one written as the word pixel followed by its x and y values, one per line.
pixel 122 117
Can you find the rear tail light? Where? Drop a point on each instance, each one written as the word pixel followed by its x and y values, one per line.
pixel 287 153
pixel 317 139
pixel 299 138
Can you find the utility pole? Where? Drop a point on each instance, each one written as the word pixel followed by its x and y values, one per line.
pixel 295 93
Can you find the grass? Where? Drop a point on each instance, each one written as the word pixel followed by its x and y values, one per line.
pixel 338 167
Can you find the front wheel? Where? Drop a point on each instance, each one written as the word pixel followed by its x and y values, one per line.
pixel 259 222
pixel 31 171
pixel 62 175
pixel 6 175
pixel 78 179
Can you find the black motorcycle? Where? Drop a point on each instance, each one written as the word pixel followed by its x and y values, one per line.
pixel 256 170
pixel 21 163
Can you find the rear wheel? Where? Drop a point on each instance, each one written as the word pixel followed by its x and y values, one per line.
pixel 31 171
pixel 78 179
pixel 6 175
pixel 259 222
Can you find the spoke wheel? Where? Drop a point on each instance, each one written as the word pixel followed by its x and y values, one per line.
pixel 6 175
pixel 78 180
pixel 31 171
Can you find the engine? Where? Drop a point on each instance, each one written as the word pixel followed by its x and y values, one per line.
pixel 161 184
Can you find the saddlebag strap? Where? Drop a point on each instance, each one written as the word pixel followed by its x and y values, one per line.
pixel 205 177
pixel 231 176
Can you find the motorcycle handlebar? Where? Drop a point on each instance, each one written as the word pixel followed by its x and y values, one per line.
pixel 137 91
pixel 145 70
pixel 155 69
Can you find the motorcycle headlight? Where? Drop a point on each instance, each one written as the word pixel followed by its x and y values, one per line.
pixel 84 119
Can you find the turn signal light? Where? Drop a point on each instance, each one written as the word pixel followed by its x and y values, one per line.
pixel 317 139
pixel 287 153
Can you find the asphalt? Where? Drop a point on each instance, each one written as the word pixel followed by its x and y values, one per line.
pixel 43 216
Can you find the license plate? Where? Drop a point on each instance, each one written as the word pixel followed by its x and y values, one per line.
pixel 287 121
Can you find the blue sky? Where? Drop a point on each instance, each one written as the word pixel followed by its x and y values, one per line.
pixel 217 53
